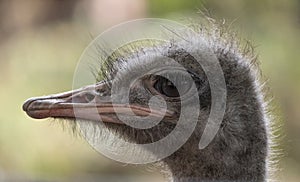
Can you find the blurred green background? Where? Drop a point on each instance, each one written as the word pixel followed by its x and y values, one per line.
pixel 41 42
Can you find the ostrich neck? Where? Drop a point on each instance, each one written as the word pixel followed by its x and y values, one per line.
pixel 208 170
pixel 231 157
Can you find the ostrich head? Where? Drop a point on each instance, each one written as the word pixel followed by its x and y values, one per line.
pixel 239 150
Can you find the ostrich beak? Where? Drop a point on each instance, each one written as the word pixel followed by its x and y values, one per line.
pixel 87 103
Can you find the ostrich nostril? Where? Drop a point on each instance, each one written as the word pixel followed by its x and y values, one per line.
pixel 89 97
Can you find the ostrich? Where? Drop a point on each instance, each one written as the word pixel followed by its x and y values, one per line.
pixel 238 153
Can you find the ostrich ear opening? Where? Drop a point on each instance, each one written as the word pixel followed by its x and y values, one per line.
pixel 88 103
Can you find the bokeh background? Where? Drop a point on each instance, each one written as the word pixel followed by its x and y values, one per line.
pixel 41 42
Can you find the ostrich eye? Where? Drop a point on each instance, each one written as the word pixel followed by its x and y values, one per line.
pixel 166 87
pixel 169 89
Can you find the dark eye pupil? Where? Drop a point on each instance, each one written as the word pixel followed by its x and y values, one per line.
pixel 169 89
pixel 166 87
